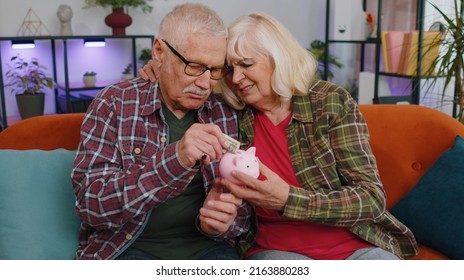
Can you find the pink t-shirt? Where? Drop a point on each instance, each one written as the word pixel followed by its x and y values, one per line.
pixel 277 233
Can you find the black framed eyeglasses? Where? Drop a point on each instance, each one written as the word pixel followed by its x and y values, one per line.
pixel 196 69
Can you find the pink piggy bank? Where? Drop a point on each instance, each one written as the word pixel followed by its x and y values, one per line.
pixel 244 161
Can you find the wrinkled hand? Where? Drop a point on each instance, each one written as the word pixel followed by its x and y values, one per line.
pixel 201 139
pixel 219 210
pixel 272 193
pixel 149 71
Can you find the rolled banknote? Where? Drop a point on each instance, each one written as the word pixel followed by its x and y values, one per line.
pixel 234 145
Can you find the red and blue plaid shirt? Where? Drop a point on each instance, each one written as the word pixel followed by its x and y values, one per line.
pixel 125 167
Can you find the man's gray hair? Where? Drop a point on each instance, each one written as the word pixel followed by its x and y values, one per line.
pixel 191 18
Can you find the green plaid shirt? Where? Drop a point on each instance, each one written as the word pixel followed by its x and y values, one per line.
pixel 333 161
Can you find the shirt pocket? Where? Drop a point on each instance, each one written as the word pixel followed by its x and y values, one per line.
pixel 138 152
pixel 322 153
pixel 324 158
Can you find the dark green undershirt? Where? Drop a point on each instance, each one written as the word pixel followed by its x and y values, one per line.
pixel 171 233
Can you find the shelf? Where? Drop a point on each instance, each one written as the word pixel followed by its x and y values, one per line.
pixel 375 41
pixel 71 96
pixel 392 99
pixel 79 86
pixel 415 93
pixel 407 76
pixel 26 38
pixel 367 41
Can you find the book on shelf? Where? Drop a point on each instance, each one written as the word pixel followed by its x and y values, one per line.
pixel 385 51
pixel 404 54
pixel 430 47
pixel 392 44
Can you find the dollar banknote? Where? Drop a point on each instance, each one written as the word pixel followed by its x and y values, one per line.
pixel 234 145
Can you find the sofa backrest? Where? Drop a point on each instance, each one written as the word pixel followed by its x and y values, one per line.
pixel 406 140
pixel 46 132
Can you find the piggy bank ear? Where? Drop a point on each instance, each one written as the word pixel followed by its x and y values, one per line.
pixel 236 160
pixel 251 150
pixel 241 159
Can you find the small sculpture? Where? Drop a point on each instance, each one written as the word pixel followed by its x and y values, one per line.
pixel 32 26
pixel 244 161
pixel 64 14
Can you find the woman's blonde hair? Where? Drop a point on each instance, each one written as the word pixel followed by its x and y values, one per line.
pixel 262 35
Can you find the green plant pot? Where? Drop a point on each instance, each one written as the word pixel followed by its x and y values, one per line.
pixel 30 105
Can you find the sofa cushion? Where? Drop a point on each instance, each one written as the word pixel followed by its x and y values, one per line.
pixel 434 208
pixel 37 217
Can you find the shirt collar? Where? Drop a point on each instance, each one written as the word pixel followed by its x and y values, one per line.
pixel 302 105
pixel 302 109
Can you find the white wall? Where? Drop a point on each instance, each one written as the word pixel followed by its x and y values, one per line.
pixel 304 18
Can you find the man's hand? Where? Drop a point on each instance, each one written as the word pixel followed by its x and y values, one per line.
pixel 199 140
pixel 219 210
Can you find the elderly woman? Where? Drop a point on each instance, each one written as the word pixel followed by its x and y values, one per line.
pixel 319 195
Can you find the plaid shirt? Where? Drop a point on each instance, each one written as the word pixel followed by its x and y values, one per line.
pixel 125 167
pixel 331 155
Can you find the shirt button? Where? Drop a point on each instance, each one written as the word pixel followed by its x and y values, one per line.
pixel 128 236
pixel 163 139
pixel 137 151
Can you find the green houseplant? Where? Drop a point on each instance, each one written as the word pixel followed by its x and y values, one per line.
pixel 145 55
pixel 317 48
pixel 28 80
pixel 127 69
pixel 127 72
pixel 142 4
pixel 449 63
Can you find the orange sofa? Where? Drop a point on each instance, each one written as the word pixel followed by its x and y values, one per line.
pixel 406 140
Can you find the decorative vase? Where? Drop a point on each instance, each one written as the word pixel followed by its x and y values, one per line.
pixel 127 76
pixel 118 21
pixel 30 105
pixel 89 81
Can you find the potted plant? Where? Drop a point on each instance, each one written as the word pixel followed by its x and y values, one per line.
pixel 27 80
pixel 127 72
pixel 142 4
pixel 90 78
pixel 145 55
pixel 449 63
pixel 118 20
pixel 317 48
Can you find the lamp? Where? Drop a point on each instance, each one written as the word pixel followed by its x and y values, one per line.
pixel 22 44
pixel 94 43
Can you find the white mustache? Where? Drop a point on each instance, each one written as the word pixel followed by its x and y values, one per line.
pixel 196 90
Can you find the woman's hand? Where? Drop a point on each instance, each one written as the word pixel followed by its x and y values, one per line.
pixel 148 71
pixel 272 193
